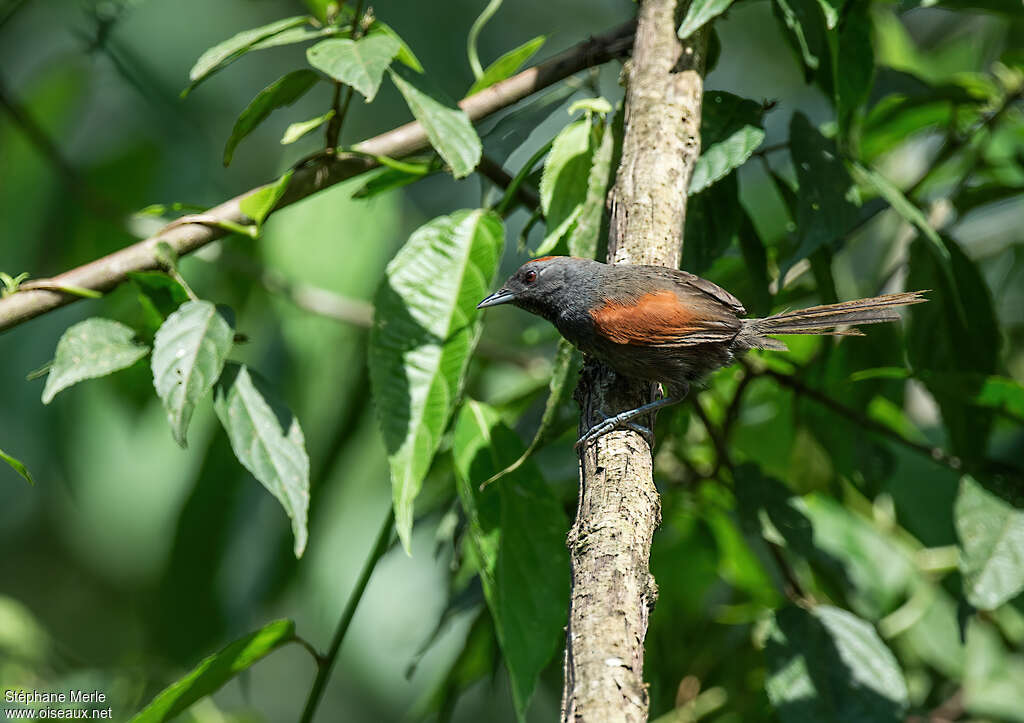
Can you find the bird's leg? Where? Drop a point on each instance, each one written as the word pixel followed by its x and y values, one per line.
pixel 625 418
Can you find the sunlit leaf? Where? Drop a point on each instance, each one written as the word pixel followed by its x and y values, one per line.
pixel 425 329
pixel 222 54
pixel 730 133
pixel 216 670
pixel 991 533
pixel 826 665
pixel 507 64
pixel 268 441
pixel 517 528
pixel 564 183
pixel 188 355
pixel 359 63
pixel 447 126
pixel 583 239
pixel 282 92
pixel 391 178
pixel 18 466
pixel 258 204
pixel 699 13
pixel 295 131
pixel 405 54
pixel 90 349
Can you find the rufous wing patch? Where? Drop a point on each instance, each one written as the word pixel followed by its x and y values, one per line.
pixel 655 318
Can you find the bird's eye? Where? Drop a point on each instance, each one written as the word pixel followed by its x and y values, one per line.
pixel 530 276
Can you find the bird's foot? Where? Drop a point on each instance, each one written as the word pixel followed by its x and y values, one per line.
pixel 624 419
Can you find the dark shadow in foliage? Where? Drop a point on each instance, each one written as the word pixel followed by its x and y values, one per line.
pixel 755 493
pixel 402 333
pixel 712 224
pixel 956 333
pixel 188 615
pixel 838 696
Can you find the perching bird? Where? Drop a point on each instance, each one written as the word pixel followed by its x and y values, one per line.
pixel 664 325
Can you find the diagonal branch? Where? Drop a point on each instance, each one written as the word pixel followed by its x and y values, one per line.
pixel 619 509
pixel 324 171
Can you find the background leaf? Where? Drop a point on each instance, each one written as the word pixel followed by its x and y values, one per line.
pixel 359 63
pixel 824 211
pixel 423 335
pixel 237 45
pixel 216 670
pixel 518 531
pixel 448 128
pixel 188 355
pixel 268 442
pixel 260 203
pixel 90 349
pixel 282 92
pixel 991 534
pixel 827 665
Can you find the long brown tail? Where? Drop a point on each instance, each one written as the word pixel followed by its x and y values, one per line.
pixel 826 319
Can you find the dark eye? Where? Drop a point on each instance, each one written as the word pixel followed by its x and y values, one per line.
pixel 530 276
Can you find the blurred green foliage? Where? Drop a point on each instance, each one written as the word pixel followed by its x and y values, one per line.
pixel 842 536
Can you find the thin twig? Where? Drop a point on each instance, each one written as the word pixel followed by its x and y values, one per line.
pixel 106 273
pixel 325 664
pixel 722 458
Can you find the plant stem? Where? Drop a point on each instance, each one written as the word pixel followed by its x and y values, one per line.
pixel 326 662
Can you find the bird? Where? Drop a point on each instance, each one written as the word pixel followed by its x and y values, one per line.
pixel 665 325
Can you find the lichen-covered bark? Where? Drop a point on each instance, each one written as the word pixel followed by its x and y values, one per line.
pixel 619 509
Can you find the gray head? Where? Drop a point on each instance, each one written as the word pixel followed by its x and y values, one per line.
pixel 543 286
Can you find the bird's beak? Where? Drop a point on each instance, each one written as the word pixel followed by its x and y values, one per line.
pixel 501 296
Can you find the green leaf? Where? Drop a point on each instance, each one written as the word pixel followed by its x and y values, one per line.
pixel 900 204
pixel 297 130
pixel 831 10
pixel 391 178
pixel 991 533
pixel 730 133
pixel 824 211
pixel 268 441
pixel 298 35
pixel 405 55
pixel 282 92
pixel 216 670
pixel 359 63
pixel 90 349
pixel 507 64
pixel 597 106
pixel 447 126
pixel 158 294
pixel 188 355
pixel 517 529
pixel 222 54
pixel 826 665
pixel 565 180
pixel 258 204
pixel 583 240
pixel 424 332
pixel 565 354
pixel 699 13
pixel 713 219
pixel 18 466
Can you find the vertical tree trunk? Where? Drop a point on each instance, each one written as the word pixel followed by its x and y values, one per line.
pixel 619 508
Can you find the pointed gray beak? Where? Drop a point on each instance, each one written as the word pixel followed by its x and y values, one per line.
pixel 501 296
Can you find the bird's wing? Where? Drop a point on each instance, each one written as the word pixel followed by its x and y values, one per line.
pixel 664 318
pixel 716 292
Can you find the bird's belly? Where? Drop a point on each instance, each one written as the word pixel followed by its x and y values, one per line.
pixel 668 365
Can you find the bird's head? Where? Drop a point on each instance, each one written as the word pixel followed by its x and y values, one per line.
pixel 541 286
